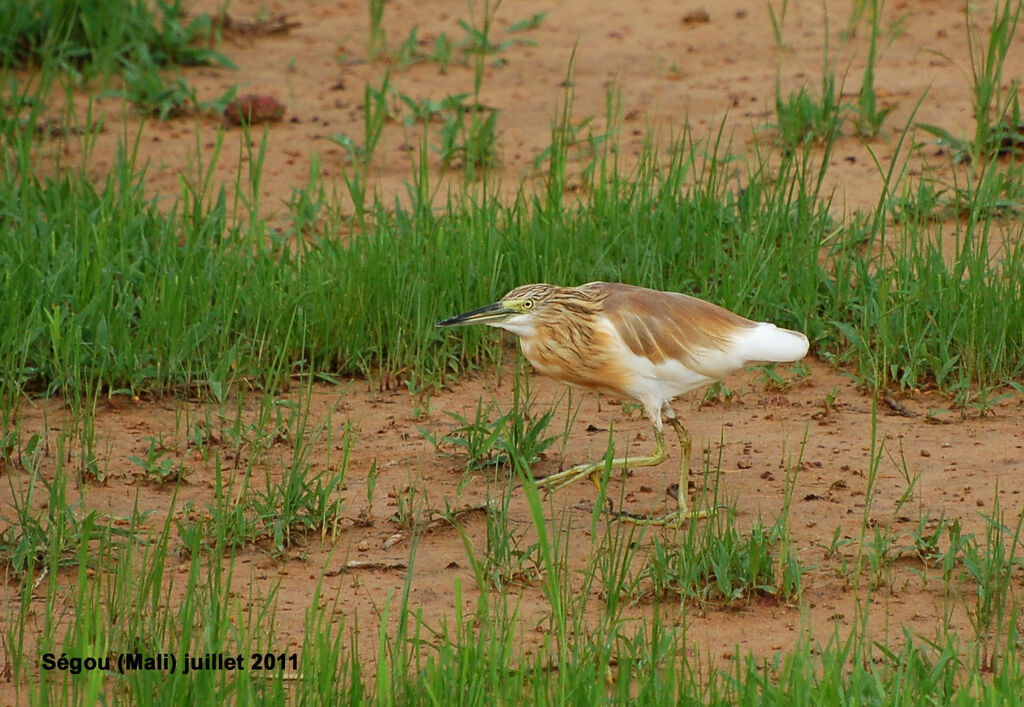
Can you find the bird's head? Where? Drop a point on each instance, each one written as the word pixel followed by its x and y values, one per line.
pixel 518 311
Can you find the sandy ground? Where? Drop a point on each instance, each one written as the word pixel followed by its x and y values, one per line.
pixel 667 66
pixel 959 467
pixel 670 67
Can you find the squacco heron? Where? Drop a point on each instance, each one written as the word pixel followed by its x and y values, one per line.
pixel 632 342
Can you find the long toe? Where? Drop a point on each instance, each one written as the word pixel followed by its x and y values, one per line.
pixel 673 520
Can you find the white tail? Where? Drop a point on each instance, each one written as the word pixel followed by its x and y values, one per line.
pixel 767 342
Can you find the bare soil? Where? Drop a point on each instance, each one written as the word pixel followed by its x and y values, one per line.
pixel 669 70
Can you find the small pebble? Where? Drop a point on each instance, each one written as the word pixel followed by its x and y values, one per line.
pixel 254 108
pixel 696 17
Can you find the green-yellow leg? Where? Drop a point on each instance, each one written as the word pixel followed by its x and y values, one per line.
pixel 681 513
pixel 593 470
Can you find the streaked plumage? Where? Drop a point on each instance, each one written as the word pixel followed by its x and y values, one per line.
pixel 633 342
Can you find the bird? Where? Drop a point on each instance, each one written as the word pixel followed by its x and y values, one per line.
pixel 637 343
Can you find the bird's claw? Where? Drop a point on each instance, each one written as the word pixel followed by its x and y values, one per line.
pixel 672 520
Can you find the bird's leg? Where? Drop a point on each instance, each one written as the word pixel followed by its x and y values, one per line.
pixel 682 512
pixel 593 470
pixel 685 444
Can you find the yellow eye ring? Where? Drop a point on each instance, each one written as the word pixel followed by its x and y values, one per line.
pixel 527 303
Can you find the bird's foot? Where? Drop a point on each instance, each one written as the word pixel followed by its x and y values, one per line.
pixel 561 479
pixel 672 520
pixel 595 471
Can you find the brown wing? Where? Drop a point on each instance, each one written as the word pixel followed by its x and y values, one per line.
pixel 667 325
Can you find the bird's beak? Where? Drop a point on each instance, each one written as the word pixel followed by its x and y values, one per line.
pixel 485 315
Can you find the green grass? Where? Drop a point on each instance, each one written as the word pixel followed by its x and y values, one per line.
pixel 870 115
pixel 476 43
pixel 97 36
pixel 147 90
pixel 106 293
pixel 105 299
pixel 995 106
pixel 140 607
pixel 103 296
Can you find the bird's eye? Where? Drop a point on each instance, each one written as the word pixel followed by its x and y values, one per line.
pixel 527 303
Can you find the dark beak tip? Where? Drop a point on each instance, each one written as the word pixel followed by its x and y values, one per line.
pixel 467 318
